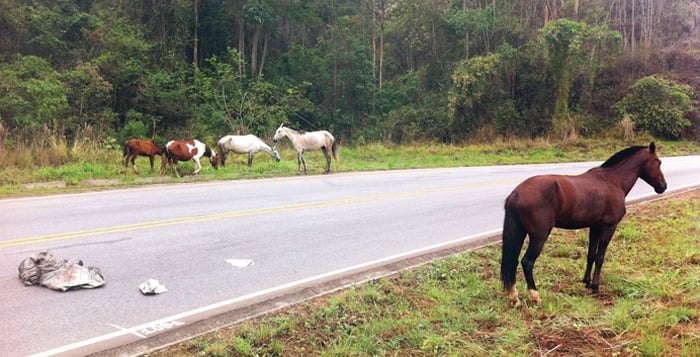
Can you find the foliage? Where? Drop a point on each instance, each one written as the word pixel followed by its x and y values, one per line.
pixel 658 105
pixel 572 52
pixel 542 68
pixel 233 103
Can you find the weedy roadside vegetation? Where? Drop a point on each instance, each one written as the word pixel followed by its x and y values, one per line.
pixel 89 159
pixel 649 303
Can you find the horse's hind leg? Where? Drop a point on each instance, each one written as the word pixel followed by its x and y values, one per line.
pixel 250 158
pixel 534 248
pixel 328 160
pixel 133 163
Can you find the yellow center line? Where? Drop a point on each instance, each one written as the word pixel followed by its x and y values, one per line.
pixel 167 222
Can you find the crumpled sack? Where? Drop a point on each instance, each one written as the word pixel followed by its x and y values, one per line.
pixel 62 275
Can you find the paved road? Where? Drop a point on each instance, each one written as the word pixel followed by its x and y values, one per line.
pixel 296 231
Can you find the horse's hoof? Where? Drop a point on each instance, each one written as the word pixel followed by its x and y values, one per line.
pixel 515 303
pixel 535 297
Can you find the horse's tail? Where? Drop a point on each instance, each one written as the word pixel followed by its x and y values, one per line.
pixel 334 149
pixel 127 149
pixel 513 239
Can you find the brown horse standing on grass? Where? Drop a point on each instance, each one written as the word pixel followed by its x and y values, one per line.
pixel 594 199
pixel 136 147
pixel 185 150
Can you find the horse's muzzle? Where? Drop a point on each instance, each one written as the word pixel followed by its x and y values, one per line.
pixel 660 188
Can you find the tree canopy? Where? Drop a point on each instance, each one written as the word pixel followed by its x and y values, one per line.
pixel 368 70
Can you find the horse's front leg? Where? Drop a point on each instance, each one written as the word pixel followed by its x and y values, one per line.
pixel 250 158
pixel 197 166
pixel 151 158
pixel 593 237
pixel 602 236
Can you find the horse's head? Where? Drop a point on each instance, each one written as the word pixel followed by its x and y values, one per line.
pixel 279 134
pixel 214 159
pixel 275 154
pixel 651 171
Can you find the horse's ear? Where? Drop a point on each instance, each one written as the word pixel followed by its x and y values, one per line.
pixel 652 147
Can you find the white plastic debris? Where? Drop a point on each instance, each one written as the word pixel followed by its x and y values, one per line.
pixel 152 287
pixel 240 263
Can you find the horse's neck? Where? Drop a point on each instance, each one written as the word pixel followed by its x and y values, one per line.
pixel 265 147
pixel 624 175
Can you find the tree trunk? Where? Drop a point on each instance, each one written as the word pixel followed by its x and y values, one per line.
pixel 466 33
pixel 241 47
pixel 195 54
pixel 374 44
pixel 382 17
pixel 263 55
pixel 254 44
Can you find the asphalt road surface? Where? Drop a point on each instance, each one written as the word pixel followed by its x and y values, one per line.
pixel 295 232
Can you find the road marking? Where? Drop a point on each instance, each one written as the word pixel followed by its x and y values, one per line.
pixel 233 214
pixel 127 330
pixel 176 320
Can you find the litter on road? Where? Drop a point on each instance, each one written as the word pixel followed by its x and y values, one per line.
pixel 152 287
pixel 240 263
pixel 61 275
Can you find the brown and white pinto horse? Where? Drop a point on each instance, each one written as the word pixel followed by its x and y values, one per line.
pixel 594 199
pixel 185 150
pixel 136 147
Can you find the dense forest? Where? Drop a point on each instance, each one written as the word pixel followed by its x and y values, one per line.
pixel 367 70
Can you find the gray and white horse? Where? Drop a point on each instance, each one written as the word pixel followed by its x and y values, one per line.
pixel 309 141
pixel 244 144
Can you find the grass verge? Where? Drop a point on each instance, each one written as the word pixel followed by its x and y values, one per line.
pixel 649 303
pixel 80 170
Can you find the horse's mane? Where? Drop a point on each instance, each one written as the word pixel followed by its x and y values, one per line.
pixel 622 156
pixel 300 131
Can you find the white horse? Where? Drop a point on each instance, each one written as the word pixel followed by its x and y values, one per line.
pixel 309 141
pixel 242 144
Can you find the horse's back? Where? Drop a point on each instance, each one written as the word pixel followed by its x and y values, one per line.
pixel 241 144
pixel 142 147
pixel 567 201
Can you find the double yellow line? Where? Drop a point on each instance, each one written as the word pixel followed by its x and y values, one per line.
pixel 210 217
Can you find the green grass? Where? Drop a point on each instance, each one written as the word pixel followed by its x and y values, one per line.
pixel 77 169
pixel 649 303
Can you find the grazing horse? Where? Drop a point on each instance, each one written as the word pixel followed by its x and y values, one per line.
pixel 136 147
pixel 594 199
pixel 242 144
pixel 309 141
pixel 185 150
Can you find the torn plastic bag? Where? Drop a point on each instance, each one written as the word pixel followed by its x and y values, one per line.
pixel 152 287
pixel 44 269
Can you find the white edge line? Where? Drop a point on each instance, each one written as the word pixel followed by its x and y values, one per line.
pixel 133 330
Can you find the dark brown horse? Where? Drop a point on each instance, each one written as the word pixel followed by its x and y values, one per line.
pixel 185 150
pixel 594 199
pixel 136 147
